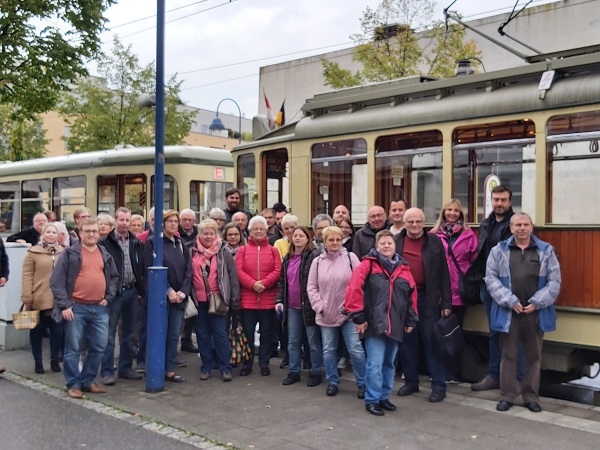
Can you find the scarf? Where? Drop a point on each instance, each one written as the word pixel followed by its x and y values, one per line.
pixel 449 229
pixel 207 253
pixel 387 264
pixel 50 248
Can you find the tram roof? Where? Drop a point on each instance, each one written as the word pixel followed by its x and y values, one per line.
pixel 118 157
pixel 421 101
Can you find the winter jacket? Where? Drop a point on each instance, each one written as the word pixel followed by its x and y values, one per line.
pixel 388 303
pixel 329 275
pixel 364 239
pixel 497 280
pixel 37 270
pixel 29 235
pixel 136 255
pixel 465 251
pixel 66 270
pixel 189 239
pixel 308 313
pixel 258 262
pixel 4 271
pixel 437 278
pixel 482 245
pixel 176 258
pixel 227 278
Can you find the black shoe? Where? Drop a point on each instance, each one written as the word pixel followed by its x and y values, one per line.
pixel 190 348
pixel 361 392
pixel 285 364
pixel 387 405
pixel 437 397
pixel 314 379
pixel 39 367
pixel 408 389
pixel 291 379
pixel 54 365
pixel 245 371
pixel 332 390
pixel 130 375
pixel 265 371
pixel 531 406
pixel 374 409
pixel 504 405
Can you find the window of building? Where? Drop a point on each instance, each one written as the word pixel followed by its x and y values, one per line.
pixel 339 177
pixel 246 181
pixel 205 195
pixel 69 193
pixel 277 181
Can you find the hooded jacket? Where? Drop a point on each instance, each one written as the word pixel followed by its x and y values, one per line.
pixel 258 262
pixel 329 275
pixel 387 302
pixel 37 270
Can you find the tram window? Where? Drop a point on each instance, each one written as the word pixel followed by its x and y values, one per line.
pixel 35 196
pixel 339 177
pixel 68 195
pixel 246 181
pixel 10 213
pixel 573 168
pixel 171 197
pixel 121 190
pixel 505 149
pixel 205 195
pixel 277 181
pixel 409 166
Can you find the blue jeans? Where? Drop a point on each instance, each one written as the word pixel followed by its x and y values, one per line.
pixel 125 307
pixel 330 357
pixel 211 329
pixel 313 334
pixel 174 318
pixel 90 324
pixel 379 377
pixel 409 354
pixel 265 318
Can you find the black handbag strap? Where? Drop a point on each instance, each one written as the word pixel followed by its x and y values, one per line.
pixel 451 253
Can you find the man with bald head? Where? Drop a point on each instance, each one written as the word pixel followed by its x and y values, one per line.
pixel 31 235
pixel 364 239
pixel 241 219
pixel 187 227
pixel 340 213
pixel 426 258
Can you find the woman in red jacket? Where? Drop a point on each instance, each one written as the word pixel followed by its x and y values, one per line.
pixel 258 265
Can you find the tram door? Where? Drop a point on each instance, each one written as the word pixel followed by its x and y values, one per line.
pixel 115 191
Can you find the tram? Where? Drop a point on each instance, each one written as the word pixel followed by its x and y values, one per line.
pixel 195 177
pixel 535 127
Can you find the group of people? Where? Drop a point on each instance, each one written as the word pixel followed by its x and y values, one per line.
pixel 373 294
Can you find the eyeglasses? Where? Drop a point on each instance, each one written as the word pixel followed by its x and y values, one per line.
pixel 90 231
pixel 413 222
pixel 219 220
pixel 233 235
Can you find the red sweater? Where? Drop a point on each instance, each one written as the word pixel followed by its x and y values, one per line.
pixel 258 263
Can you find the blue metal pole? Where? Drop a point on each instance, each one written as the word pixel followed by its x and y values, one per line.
pixel 157 274
pixel 239 116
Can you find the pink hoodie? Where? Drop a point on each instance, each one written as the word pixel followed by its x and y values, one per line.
pixel 329 275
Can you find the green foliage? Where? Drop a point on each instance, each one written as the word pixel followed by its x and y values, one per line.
pixel 43 47
pixel 388 46
pixel 20 139
pixel 102 112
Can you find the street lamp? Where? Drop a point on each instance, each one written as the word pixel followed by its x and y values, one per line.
pixel 217 124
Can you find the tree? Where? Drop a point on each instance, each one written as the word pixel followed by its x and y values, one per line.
pixel 43 47
pixel 102 112
pixel 388 46
pixel 20 139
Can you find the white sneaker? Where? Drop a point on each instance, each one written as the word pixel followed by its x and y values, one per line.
pixel 342 363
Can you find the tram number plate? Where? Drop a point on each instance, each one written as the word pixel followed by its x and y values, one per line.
pixel 546 81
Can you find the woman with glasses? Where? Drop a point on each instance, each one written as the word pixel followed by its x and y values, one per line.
pixel 218 215
pixel 348 230
pixel 233 238
pixel 176 258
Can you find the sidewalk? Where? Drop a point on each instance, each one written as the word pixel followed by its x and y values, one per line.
pixel 258 412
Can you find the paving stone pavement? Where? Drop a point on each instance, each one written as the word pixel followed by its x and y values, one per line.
pixel 259 412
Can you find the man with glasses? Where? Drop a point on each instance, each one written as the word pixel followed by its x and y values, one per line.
pixel 84 282
pixel 364 239
pixel 31 235
pixel 426 258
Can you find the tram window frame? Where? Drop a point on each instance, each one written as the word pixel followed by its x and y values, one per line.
pixel 246 181
pixel 408 181
pixel 42 187
pixel 10 211
pixel 120 196
pixel 572 152
pixel 471 150
pixel 205 195
pixel 275 189
pixel 65 205
pixel 171 193
pixel 341 162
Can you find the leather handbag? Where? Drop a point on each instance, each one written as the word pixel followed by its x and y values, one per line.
pixel 449 336
pixel 191 308
pixel 216 303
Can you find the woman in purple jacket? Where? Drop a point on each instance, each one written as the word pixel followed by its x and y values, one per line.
pixel 458 240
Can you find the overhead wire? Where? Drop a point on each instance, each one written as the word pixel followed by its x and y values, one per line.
pixel 154 15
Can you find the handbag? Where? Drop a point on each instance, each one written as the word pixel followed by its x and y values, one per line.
pixel 468 285
pixel 26 320
pixel 216 303
pixel 449 336
pixel 191 308
pixel 240 350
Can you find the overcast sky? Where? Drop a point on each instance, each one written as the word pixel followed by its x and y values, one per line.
pixel 214 33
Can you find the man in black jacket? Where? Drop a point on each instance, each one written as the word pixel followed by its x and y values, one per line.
pixel 426 258
pixel 128 253
pixel 32 234
pixel 364 239
pixel 493 229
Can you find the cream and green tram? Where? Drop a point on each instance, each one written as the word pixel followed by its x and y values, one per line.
pixel 195 177
pixel 427 141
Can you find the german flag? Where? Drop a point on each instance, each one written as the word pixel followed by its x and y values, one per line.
pixel 280 118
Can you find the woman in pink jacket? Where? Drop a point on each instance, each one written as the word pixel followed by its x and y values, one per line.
pixel 258 265
pixel 458 240
pixel 327 280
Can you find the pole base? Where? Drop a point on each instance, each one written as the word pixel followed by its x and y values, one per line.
pixel 154 390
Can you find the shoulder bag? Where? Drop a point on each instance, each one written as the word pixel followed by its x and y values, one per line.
pixel 216 303
pixel 468 287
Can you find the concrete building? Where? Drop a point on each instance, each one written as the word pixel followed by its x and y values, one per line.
pixel 548 28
